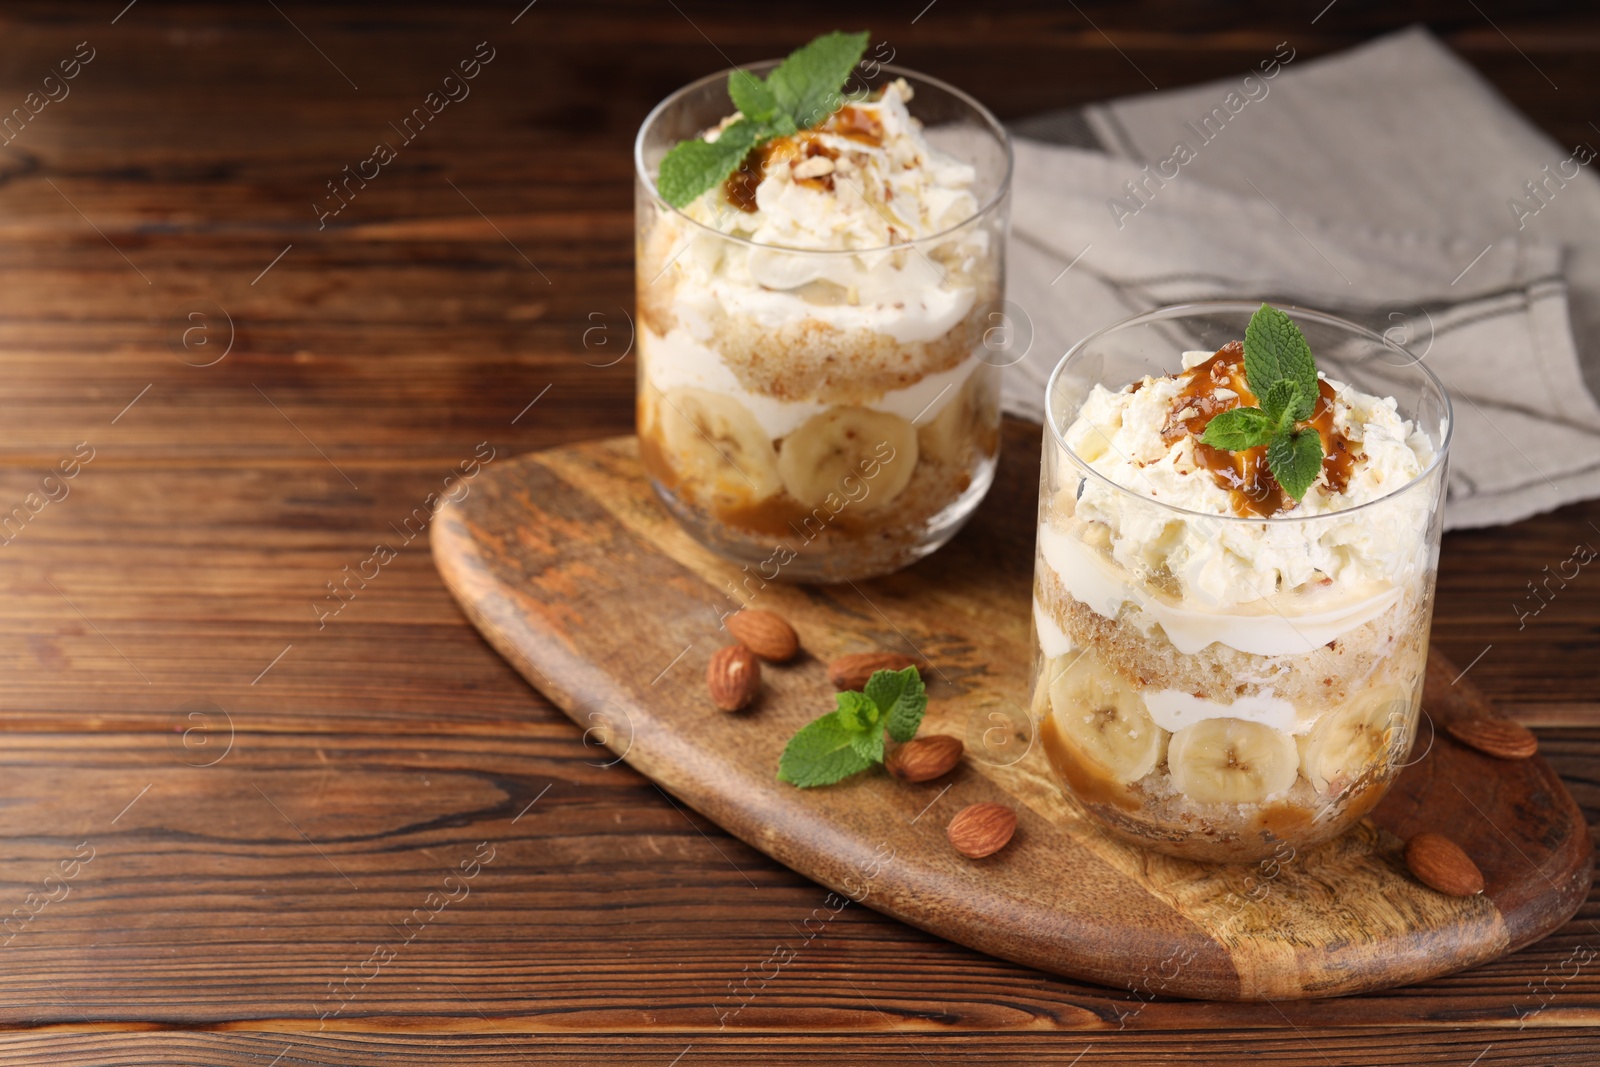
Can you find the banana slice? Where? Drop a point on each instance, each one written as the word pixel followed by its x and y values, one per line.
pixel 845 449
pixel 1355 736
pixel 1104 717
pixel 644 409
pixel 966 424
pixel 1231 761
pixel 712 440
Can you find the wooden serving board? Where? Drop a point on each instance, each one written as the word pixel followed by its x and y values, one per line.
pixel 575 573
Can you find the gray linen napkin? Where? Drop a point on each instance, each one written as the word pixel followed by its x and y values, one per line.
pixel 1385 184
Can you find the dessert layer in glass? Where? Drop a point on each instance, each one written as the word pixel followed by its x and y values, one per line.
pixel 1221 667
pixel 811 340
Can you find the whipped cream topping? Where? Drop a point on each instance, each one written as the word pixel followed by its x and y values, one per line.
pixel 1272 586
pixel 865 179
pixel 1120 434
pixel 831 215
pixel 1226 562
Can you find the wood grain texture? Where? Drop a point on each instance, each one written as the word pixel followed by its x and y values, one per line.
pixel 395 341
pixel 489 1042
pixel 570 567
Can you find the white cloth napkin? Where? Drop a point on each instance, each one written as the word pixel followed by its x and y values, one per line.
pixel 1376 184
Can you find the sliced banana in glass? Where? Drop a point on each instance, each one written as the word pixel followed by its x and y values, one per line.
pixel 1355 736
pixel 1103 717
pixel 712 440
pixel 648 421
pixel 1231 761
pixel 864 457
pixel 966 421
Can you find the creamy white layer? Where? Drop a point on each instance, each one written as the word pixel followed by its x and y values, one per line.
pixel 679 359
pixel 1173 709
pixel 1275 625
pixel 1278 586
pixel 1053 640
pixel 906 302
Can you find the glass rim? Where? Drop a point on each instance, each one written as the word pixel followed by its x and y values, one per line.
pixel 993 124
pixel 1247 307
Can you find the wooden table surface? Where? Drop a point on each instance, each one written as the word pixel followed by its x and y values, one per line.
pixel 242 818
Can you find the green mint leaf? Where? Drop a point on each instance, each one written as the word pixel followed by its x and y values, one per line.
pixel 1275 350
pixel 800 92
pixel 1238 429
pixel 821 753
pixel 851 737
pixel 902 697
pixel 856 711
pixel 807 85
pixel 780 125
pixel 1296 460
pixel 751 96
pixel 694 166
pixel 1280 404
pixel 869 745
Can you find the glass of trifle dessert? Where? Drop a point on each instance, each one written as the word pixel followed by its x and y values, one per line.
pixel 820 276
pixel 1239 524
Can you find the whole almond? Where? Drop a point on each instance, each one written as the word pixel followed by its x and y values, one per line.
pixel 764 633
pixel 982 829
pixel 734 677
pixel 1495 736
pixel 923 759
pixel 1439 863
pixel 852 671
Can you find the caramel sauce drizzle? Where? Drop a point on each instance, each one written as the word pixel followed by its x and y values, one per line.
pixel 856 124
pixel 849 122
pixel 1252 489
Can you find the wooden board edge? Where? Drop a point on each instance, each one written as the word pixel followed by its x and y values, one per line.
pixel 1211 973
pixel 470 582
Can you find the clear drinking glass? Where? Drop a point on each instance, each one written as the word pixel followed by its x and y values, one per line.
pixel 1221 687
pixel 822 415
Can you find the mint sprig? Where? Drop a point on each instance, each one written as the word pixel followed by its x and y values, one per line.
pixel 806 85
pixel 799 94
pixel 1295 460
pixel 752 96
pixel 1275 350
pixel 698 165
pixel 1282 373
pixel 1237 430
pixel 850 738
